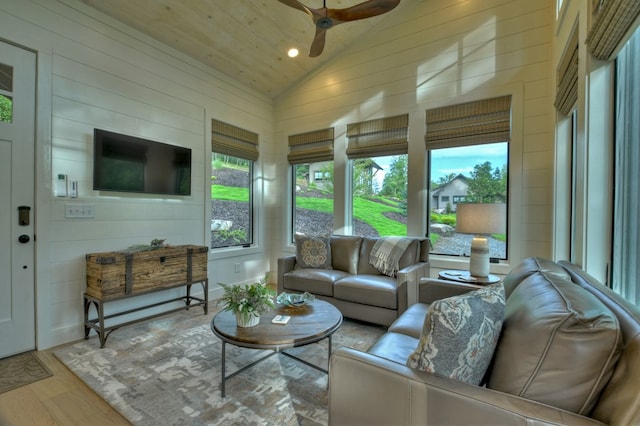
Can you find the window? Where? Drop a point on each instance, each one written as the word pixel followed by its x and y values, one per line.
pixel 6 89
pixel 626 223
pixel 311 158
pixel 233 153
pixel 379 182
pixel 468 146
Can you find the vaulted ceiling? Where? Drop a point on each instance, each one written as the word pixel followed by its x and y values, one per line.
pixel 247 40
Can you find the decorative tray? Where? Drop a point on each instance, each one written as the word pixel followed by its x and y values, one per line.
pixel 295 299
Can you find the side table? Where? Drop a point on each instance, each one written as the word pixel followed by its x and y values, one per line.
pixel 466 277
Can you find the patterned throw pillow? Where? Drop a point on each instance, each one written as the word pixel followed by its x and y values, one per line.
pixel 313 252
pixel 460 334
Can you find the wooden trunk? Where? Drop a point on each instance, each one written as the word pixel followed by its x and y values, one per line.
pixel 118 274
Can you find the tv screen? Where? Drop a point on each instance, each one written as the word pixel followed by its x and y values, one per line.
pixel 129 164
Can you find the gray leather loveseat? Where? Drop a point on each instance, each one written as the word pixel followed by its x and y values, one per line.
pixel 353 285
pixel 568 354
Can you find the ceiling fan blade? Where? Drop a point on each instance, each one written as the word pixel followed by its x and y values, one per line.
pixel 296 5
pixel 318 42
pixel 363 10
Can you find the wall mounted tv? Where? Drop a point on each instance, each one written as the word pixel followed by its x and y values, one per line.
pixel 129 164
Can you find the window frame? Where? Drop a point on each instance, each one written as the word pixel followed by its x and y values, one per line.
pixel 515 223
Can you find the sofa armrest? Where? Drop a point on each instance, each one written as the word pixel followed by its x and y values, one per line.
pixel 285 264
pixel 365 389
pixel 412 275
pixel 432 289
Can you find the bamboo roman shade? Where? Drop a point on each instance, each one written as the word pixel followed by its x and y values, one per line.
pixel 232 140
pixel 611 21
pixel 311 147
pixel 567 78
pixel 484 121
pixel 377 138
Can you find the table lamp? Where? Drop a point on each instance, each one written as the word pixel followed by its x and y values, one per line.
pixel 480 219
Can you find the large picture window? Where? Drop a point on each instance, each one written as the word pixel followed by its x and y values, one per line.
pixel 377 150
pixel 468 147
pixel 468 174
pixel 311 158
pixel 234 152
pixel 313 198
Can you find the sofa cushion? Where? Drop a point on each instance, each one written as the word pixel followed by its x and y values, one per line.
pixel 345 251
pixel 559 343
pixel 364 267
pixel 395 347
pixel 315 281
pixel 312 252
pixel 460 335
pixel 411 321
pixel 373 290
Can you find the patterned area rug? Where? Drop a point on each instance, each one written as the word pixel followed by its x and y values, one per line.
pixel 167 371
pixel 20 370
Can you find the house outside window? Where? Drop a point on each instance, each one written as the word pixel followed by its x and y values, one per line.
pixel 234 152
pixel 468 147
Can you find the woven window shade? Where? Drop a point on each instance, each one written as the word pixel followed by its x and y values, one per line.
pixel 612 20
pixel 567 78
pixel 377 138
pixel 311 147
pixel 485 121
pixel 234 141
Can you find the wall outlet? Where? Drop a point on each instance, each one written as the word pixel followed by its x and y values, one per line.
pixel 79 211
pixel 237 268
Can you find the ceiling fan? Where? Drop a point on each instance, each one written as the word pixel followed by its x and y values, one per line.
pixel 325 18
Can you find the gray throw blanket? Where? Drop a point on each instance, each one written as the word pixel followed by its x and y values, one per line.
pixel 386 253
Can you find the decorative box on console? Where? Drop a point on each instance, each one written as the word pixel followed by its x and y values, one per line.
pixel 117 274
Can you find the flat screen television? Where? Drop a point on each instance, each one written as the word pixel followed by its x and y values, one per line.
pixel 128 164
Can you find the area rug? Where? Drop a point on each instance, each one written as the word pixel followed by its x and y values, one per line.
pixel 20 370
pixel 167 371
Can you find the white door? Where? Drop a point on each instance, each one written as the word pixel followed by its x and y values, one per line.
pixel 17 230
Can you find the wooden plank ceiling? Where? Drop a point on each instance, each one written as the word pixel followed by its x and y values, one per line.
pixel 247 40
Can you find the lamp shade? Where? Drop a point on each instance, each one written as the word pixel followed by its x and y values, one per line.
pixel 478 219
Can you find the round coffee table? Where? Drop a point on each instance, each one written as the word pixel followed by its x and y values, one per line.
pixel 308 324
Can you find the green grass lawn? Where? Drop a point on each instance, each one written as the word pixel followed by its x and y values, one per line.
pixel 370 212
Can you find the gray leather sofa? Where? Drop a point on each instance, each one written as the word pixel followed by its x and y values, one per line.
pixel 545 354
pixel 355 287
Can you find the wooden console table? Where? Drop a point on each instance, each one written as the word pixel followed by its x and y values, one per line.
pixel 120 275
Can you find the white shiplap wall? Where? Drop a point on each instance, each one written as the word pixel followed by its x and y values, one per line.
pixel 432 53
pixel 95 72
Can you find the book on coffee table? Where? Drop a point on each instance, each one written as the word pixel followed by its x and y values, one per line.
pixel 281 319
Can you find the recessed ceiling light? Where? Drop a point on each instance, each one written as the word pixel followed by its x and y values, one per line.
pixel 293 52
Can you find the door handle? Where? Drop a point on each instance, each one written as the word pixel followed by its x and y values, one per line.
pixel 24 238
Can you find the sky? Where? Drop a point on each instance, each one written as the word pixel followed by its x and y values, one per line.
pixel 455 160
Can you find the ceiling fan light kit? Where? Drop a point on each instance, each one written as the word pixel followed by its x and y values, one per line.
pixel 325 18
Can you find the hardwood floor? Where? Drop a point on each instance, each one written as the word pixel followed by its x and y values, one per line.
pixel 61 399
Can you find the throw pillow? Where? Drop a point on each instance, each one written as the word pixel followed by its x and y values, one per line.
pixel 460 334
pixel 313 252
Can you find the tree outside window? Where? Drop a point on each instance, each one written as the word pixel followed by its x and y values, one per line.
pixel 379 189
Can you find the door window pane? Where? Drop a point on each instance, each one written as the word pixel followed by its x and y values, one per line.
pixel 6 87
